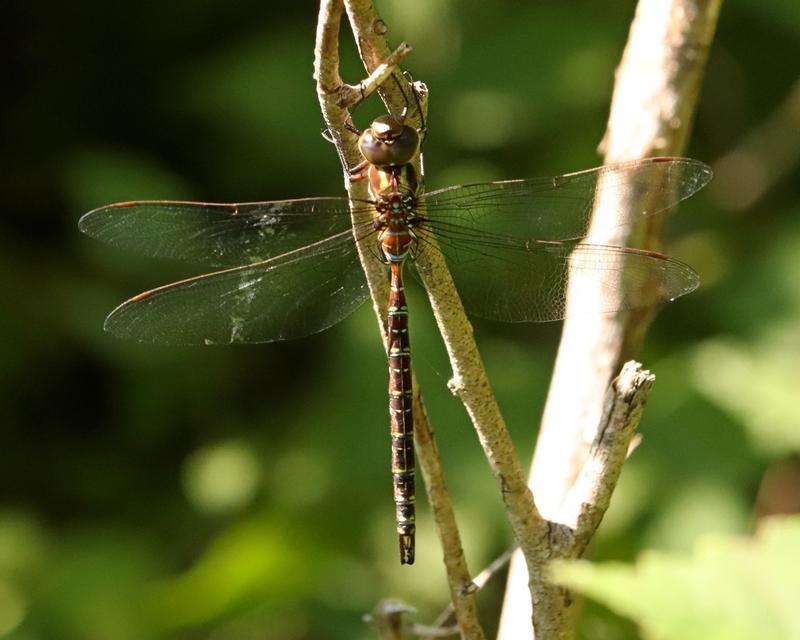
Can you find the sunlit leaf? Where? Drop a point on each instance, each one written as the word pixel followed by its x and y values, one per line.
pixel 729 588
pixel 757 383
pixel 251 562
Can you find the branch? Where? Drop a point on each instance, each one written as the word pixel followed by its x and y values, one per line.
pixel 589 497
pixel 478 582
pixel 462 588
pixel 471 385
pixel 382 72
pixel 656 90
pixel 654 97
pixel 369 31
pixel 387 619
pixel 469 378
pixel 334 96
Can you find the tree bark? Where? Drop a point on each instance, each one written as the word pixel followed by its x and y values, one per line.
pixel 656 90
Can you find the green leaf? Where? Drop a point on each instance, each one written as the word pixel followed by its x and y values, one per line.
pixel 729 588
pixel 250 562
pixel 757 384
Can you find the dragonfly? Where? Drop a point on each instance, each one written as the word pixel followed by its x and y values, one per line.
pixel 290 268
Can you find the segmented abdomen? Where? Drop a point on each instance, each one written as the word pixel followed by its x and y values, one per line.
pixel 402 422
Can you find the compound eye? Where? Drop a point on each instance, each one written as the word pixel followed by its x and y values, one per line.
pixel 388 142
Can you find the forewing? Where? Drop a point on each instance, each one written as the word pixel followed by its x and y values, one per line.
pixel 289 296
pixel 217 234
pixel 560 208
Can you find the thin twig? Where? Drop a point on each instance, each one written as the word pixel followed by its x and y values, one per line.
pixel 655 93
pixel 352 95
pixel 369 30
pixel 469 377
pixel 462 588
pixel 446 617
pixel 472 387
pixel 387 619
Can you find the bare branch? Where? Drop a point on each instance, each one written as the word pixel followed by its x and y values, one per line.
pixel 655 94
pixel 469 378
pixel 369 30
pixel 376 79
pixel 478 583
pixel 462 589
pixel 387 619
pixel 471 385
pixel 590 496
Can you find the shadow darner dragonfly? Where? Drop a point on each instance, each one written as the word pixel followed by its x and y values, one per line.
pixel 289 268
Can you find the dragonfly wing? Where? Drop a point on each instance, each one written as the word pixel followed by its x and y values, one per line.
pixel 217 234
pixel 289 296
pixel 520 281
pixel 560 208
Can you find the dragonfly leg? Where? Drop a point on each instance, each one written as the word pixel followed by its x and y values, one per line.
pixel 359 172
pixel 352 128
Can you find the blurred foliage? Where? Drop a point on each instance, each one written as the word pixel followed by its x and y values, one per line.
pixel 727 589
pixel 243 493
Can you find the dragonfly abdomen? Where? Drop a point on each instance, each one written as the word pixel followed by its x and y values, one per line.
pixel 401 417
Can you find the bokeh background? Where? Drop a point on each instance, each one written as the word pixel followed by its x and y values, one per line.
pixel 243 492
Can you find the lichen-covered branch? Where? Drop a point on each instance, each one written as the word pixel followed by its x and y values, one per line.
pixel 462 589
pixel 447 616
pixel 655 94
pixel 471 385
pixel 469 378
pixel 335 98
pixel 588 499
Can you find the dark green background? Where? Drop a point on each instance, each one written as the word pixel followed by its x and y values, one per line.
pixel 243 492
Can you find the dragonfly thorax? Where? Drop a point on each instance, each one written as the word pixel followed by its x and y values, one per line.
pixel 395 205
pixel 394 222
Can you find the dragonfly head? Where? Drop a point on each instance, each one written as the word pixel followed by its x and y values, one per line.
pixel 388 142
